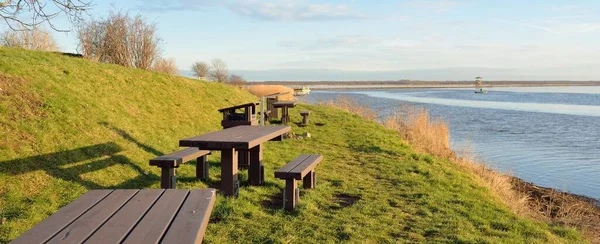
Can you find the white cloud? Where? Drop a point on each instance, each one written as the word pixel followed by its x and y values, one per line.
pixel 434 5
pixel 292 10
pixel 557 26
pixel 272 10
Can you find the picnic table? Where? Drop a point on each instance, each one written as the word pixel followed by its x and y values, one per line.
pixel 231 118
pixel 284 105
pixel 229 141
pixel 128 216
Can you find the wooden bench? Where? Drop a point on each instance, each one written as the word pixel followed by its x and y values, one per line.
pixel 170 162
pixel 305 115
pixel 128 216
pixel 301 168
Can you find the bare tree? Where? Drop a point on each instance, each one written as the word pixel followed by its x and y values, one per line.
pixel 120 39
pixel 144 42
pixel 200 69
pixel 13 12
pixel 116 43
pixel 166 66
pixel 219 70
pixel 236 80
pixel 35 39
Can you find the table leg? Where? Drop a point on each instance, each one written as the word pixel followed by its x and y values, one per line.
pixel 202 168
pixel 255 171
pixel 243 159
pixel 229 172
pixel 284 115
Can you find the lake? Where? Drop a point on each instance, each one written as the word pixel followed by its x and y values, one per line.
pixel 546 135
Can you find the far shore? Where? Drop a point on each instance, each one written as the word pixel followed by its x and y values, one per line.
pixel 374 85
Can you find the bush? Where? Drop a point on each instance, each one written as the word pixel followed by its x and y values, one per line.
pixel 166 66
pixel 35 39
pixel 120 39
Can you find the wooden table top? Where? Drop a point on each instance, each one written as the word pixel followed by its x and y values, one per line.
pixel 128 216
pixel 284 104
pixel 239 137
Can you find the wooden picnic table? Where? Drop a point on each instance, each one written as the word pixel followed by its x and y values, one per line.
pixel 229 141
pixel 128 216
pixel 284 105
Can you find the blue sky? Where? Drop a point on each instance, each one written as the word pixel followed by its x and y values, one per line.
pixel 544 36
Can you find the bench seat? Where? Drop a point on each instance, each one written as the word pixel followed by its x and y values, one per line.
pixel 170 162
pixel 301 168
pixel 305 115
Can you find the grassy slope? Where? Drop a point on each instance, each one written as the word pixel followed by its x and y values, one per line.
pixel 69 125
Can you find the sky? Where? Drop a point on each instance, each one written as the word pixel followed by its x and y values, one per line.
pixel 448 39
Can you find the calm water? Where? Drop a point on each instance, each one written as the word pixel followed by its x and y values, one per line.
pixel 549 136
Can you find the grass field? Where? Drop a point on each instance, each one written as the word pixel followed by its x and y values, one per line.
pixel 69 125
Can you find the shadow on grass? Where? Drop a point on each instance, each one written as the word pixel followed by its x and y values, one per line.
pixel 68 166
pixel 130 138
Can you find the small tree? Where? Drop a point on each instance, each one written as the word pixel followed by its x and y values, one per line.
pixel 35 39
pixel 200 69
pixel 166 66
pixel 120 39
pixel 236 80
pixel 219 70
pixel 13 11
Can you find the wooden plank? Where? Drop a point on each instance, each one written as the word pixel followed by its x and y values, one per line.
pixel 120 224
pixel 179 157
pixel 190 223
pixel 84 226
pixel 284 104
pixel 276 131
pixel 305 166
pixel 63 217
pixel 239 106
pixel 239 137
pixel 283 172
pixel 154 224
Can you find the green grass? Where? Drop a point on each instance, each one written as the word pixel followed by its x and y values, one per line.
pixel 69 125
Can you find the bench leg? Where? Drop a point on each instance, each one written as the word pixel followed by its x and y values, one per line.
pixel 202 168
pixel 255 176
pixel 243 159
pixel 229 172
pixel 304 119
pixel 290 194
pixel 309 180
pixel 168 178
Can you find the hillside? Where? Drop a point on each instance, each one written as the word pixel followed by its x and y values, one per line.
pixel 69 125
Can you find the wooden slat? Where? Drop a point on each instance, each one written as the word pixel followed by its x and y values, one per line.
pixel 305 166
pixel 239 106
pixel 190 223
pixel 154 224
pixel 179 157
pixel 84 226
pixel 266 137
pixel 63 217
pixel 284 104
pixel 239 137
pixel 283 172
pixel 119 225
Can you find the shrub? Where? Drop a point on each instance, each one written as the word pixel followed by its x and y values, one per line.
pixel 35 39
pixel 166 66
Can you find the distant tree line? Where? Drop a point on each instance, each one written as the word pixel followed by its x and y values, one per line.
pixel 216 71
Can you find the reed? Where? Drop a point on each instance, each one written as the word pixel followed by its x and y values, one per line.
pixel 263 90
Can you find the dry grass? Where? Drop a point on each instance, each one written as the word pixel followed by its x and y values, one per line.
pixel 431 135
pixel 262 90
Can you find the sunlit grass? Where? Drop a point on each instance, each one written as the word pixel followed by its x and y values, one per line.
pixel 97 125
